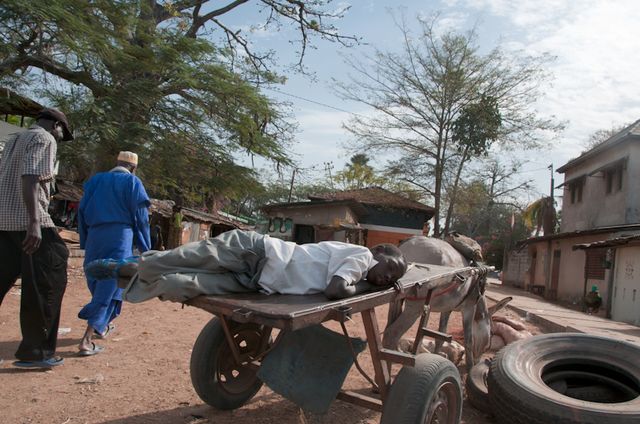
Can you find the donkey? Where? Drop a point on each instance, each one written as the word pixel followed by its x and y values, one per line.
pixel 466 297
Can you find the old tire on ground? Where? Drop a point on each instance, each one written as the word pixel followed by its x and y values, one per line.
pixel 215 376
pixel 430 392
pixel 476 385
pixel 566 378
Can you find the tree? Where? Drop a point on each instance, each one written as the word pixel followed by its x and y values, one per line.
pixel 158 77
pixel 600 136
pixel 430 94
pixel 541 214
pixel 357 174
pixel 488 209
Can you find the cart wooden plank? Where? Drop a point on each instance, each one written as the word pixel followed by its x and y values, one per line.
pixel 295 312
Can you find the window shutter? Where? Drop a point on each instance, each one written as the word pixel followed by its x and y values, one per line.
pixel 594 267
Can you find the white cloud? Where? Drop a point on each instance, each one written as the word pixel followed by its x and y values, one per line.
pixel 595 42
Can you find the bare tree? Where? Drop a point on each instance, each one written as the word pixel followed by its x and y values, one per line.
pixel 419 95
pixel 600 136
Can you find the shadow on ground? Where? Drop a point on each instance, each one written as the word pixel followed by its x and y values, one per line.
pixel 269 408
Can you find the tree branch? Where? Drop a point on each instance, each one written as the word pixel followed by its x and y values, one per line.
pixel 48 65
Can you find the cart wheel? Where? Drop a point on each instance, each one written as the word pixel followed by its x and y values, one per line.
pixel 428 393
pixel 215 376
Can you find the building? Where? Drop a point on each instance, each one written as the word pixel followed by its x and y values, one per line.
pixel 366 216
pixel 600 204
pixel 196 225
pixel 623 259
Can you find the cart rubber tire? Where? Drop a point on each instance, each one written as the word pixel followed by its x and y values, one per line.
pixel 419 393
pixel 210 353
pixel 476 385
pixel 566 378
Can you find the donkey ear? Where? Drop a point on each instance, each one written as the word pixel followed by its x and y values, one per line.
pixel 501 304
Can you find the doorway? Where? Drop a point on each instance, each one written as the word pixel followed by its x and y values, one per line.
pixel 304 234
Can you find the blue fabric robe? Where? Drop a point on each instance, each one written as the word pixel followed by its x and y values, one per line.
pixel 113 215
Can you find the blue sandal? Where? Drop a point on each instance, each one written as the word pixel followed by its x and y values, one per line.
pixel 107 269
pixel 54 361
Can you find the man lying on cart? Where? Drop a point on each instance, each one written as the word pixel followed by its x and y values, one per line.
pixel 245 261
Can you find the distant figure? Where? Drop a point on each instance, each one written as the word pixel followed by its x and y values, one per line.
pixel 113 215
pixel 30 246
pixel 157 242
pixel 593 300
pixel 175 228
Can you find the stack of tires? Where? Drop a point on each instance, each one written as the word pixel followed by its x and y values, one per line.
pixel 563 378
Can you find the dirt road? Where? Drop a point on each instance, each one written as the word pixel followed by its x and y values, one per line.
pixel 143 374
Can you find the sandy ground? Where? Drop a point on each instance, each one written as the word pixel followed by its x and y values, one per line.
pixel 143 374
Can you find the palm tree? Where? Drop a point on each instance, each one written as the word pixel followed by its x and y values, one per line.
pixel 542 214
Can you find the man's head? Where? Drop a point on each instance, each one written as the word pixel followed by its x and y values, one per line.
pixel 56 123
pixel 390 267
pixel 128 160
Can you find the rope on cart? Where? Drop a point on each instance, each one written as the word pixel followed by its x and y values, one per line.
pixel 355 359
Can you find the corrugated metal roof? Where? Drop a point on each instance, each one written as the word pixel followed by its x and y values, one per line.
pixel 599 230
pixel 13 103
pixel 617 241
pixel 67 190
pixel 165 209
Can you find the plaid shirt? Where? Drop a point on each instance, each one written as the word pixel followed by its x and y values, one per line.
pixel 31 152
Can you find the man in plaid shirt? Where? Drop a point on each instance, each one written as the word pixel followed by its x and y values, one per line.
pixel 30 246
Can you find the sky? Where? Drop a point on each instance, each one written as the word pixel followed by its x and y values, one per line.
pixel 594 85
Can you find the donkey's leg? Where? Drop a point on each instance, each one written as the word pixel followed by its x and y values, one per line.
pixel 396 329
pixel 468 312
pixel 442 327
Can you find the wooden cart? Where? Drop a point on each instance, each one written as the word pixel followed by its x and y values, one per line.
pixel 228 351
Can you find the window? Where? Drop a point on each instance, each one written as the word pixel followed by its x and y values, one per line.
pixel 576 191
pixel 613 179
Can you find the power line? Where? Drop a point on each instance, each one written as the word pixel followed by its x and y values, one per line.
pixel 314 102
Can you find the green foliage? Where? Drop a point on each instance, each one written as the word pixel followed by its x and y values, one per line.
pixel 541 214
pixel 357 174
pixel 162 78
pixel 477 126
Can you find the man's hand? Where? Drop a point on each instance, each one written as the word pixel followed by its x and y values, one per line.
pixel 32 241
pixel 339 288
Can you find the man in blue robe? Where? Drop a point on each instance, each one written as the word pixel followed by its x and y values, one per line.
pixel 113 215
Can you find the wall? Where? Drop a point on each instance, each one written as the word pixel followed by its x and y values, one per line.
pixel 620 207
pixel 327 215
pixel 377 234
pixel 626 285
pixel 571 279
pixel 516 267
pixel 392 217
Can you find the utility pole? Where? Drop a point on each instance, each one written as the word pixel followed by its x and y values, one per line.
pixel 293 176
pixel 328 166
pixel 550 167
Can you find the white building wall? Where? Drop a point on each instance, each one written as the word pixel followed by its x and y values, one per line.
pixel 598 208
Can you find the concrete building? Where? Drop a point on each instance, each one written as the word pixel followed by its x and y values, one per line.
pixel 600 204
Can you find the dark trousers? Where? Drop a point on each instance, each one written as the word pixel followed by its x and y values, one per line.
pixel 44 280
